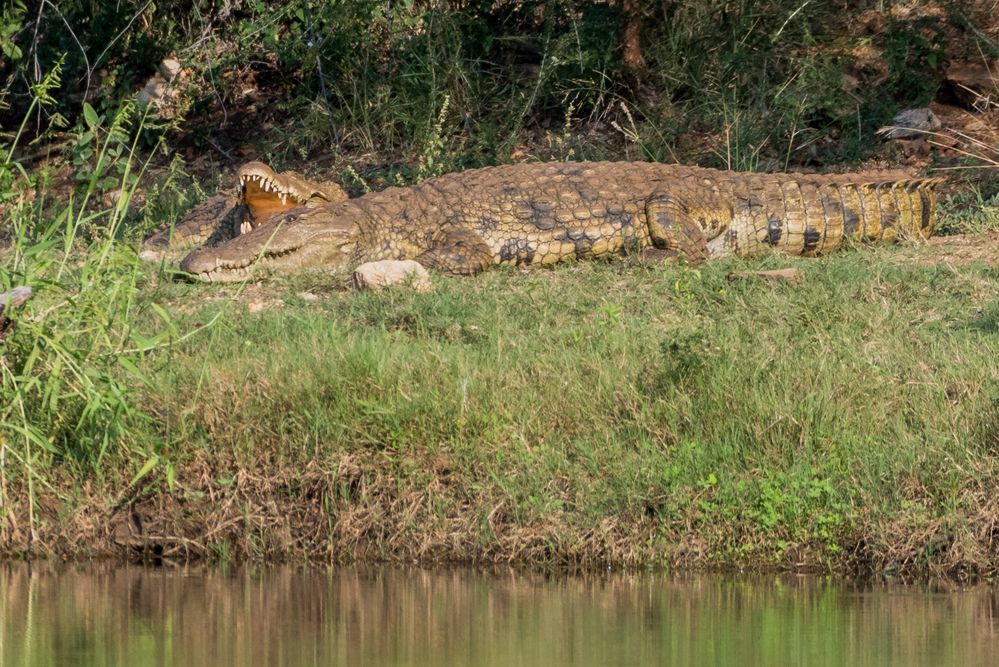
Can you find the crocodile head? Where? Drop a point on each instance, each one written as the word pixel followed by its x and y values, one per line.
pixel 262 193
pixel 266 193
pixel 296 240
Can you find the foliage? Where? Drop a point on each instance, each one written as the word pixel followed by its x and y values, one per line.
pixel 66 370
pixel 11 21
pixel 765 82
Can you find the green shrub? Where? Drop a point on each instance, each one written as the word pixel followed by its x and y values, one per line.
pixel 746 84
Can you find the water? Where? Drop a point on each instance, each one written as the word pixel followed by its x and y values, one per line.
pixel 109 616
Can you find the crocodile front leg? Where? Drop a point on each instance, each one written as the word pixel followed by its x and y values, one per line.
pixel 458 251
pixel 673 230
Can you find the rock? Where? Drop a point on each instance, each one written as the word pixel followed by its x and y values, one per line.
pixel 974 83
pixel 911 123
pixel 775 275
pixel 158 92
pixel 154 89
pixel 152 256
pixel 169 68
pixel 308 296
pixel 9 300
pixel 112 197
pixel 376 275
pixel 14 298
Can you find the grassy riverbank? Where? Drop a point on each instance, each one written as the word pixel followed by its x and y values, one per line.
pixel 598 413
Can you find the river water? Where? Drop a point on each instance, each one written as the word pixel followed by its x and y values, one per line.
pixel 288 617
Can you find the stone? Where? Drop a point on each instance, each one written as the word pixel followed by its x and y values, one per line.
pixel 8 301
pixel 154 89
pixel 169 68
pixel 14 297
pixel 912 123
pixel 152 255
pixel 974 83
pixel 158 92
pixel 376 275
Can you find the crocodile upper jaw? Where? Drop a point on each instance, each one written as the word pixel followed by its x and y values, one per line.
pixel 266 192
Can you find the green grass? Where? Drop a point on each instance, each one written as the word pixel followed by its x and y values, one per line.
pixel 642 414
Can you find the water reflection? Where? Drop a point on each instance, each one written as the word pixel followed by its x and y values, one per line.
pixel 135 616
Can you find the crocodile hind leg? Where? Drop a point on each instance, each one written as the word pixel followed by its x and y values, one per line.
pixel 674 233
pixel 458 251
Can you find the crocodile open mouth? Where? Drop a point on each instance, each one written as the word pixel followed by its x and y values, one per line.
pixel 265 196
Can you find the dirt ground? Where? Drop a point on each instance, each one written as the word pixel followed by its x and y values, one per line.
pixel 955 250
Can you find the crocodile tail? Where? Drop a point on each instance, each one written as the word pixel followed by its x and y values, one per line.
pixel 819 215
pixel 810 215
pixel 890 210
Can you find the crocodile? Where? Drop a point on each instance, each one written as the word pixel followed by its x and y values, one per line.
pixel 542 213
pixel 260 194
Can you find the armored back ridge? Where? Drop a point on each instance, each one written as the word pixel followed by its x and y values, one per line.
pixel 543 213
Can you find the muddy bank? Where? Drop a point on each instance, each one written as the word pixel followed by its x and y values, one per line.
pixel 352 510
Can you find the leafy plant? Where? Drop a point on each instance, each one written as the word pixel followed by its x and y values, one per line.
pixel 432 160
pixel 11 23
pixel 66 369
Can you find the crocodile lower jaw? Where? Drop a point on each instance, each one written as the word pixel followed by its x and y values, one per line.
pixel 238 272
pixel 223 275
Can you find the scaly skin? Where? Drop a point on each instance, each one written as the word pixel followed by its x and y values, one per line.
pixel 261 193
pixel 529 214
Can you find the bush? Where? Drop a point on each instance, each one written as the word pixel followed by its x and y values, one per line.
pixel 745 84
